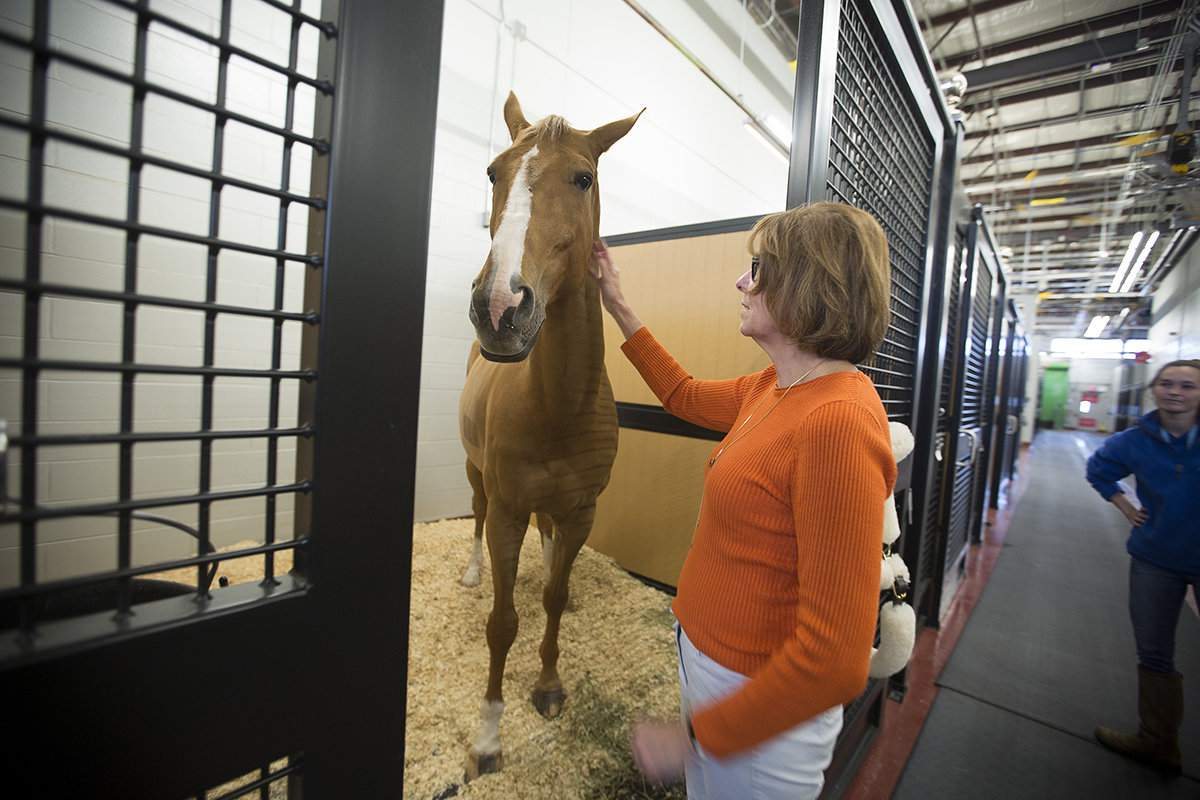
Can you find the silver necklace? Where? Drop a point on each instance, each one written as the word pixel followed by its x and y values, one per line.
pixel 738 435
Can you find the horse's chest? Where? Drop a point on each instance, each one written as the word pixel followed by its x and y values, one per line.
pixel 538 452
pixel 544 442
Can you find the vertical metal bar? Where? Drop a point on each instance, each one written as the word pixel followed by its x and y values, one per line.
pixel 129 319
pixel 280 277
pixel 314 286
pixel 816 62
pixel 210 317
pixel 33 276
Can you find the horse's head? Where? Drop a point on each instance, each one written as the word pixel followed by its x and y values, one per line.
pixel 545 216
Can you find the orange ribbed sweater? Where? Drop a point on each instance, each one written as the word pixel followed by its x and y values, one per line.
pixel 782 580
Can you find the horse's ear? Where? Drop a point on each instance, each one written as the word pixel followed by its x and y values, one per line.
pixel 603 137
pixel 513 117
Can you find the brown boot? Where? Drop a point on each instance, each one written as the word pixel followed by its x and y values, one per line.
pixel 1160 706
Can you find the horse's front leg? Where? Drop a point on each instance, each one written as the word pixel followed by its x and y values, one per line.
pixel 479 505
pixel 572 533
pixel 505 532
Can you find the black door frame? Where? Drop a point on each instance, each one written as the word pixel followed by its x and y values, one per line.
pixel 193 694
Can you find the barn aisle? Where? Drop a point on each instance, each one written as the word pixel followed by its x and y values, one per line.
pixel 1047 655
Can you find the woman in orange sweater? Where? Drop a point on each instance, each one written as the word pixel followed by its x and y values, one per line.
pixel 778 597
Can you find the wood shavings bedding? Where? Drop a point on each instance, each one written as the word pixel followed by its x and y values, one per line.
pixel 617 662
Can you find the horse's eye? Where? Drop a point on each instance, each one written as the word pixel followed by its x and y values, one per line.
pixel 584 181
pixel 492 175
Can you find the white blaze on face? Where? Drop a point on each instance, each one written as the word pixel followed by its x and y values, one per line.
pixel 508 245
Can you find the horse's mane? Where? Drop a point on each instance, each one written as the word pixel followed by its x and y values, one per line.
pixel 552 127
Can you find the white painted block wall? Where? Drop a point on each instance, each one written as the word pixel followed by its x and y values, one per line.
pixel 688 160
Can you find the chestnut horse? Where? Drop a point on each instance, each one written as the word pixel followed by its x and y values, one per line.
pixel 538 423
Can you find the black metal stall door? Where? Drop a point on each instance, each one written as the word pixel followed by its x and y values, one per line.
pixel 966 409
pixel 990 448
pixel 294 683
pixel 1011 400
pixel 867 132
pixel 929 572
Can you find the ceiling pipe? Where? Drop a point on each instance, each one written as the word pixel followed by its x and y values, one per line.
pixel 1135 16
pixel 1180 243
pixel 756 119
pixel 1066 120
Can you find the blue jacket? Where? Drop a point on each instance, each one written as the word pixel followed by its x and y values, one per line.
pixel 1168 486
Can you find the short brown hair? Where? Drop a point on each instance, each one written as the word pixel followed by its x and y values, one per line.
pixel 825 279
pixel 1191 362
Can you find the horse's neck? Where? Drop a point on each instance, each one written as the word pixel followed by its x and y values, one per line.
pixel 568 360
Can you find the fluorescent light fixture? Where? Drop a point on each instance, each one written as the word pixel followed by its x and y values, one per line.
pixel 1141 259
pixel 1096 327
pixel 760 132
pixel 1119 278
pixel 781 131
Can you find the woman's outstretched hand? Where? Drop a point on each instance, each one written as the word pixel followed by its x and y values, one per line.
pixel 660 749
pixel 608 278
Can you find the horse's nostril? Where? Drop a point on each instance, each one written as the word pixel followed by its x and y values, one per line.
pixel 524 311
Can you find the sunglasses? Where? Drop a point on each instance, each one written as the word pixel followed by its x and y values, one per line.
pixel 754 262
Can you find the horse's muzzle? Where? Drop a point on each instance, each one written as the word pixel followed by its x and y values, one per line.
pixel 517 333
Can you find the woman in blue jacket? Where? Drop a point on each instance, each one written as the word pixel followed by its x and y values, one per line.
pixel 1164 456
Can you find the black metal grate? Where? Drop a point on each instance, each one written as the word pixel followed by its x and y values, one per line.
pixel 988 420
pixel 971 412
pixel 135 371
pixel 975 383
pixel 930 570
pixel 881 159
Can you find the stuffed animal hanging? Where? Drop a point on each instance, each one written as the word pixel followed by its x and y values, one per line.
pixel 897 620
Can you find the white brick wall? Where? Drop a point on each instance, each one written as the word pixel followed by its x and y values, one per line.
pixel 592 61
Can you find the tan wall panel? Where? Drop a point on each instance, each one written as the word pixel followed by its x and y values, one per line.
pixel 646 516
pixel 683 289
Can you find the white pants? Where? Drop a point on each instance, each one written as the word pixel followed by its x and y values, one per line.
pixel 790 766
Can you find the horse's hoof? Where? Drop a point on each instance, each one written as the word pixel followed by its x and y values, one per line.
pixel 470 579
pixel 483 764
pixel 548 703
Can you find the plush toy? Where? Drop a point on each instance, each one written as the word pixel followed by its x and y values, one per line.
pixel 897 620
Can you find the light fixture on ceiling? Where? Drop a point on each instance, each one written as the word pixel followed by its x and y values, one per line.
pixel 1122 270
pixel 764 129
pixel 1096 327
pixel 781 131
pixel 1136 269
